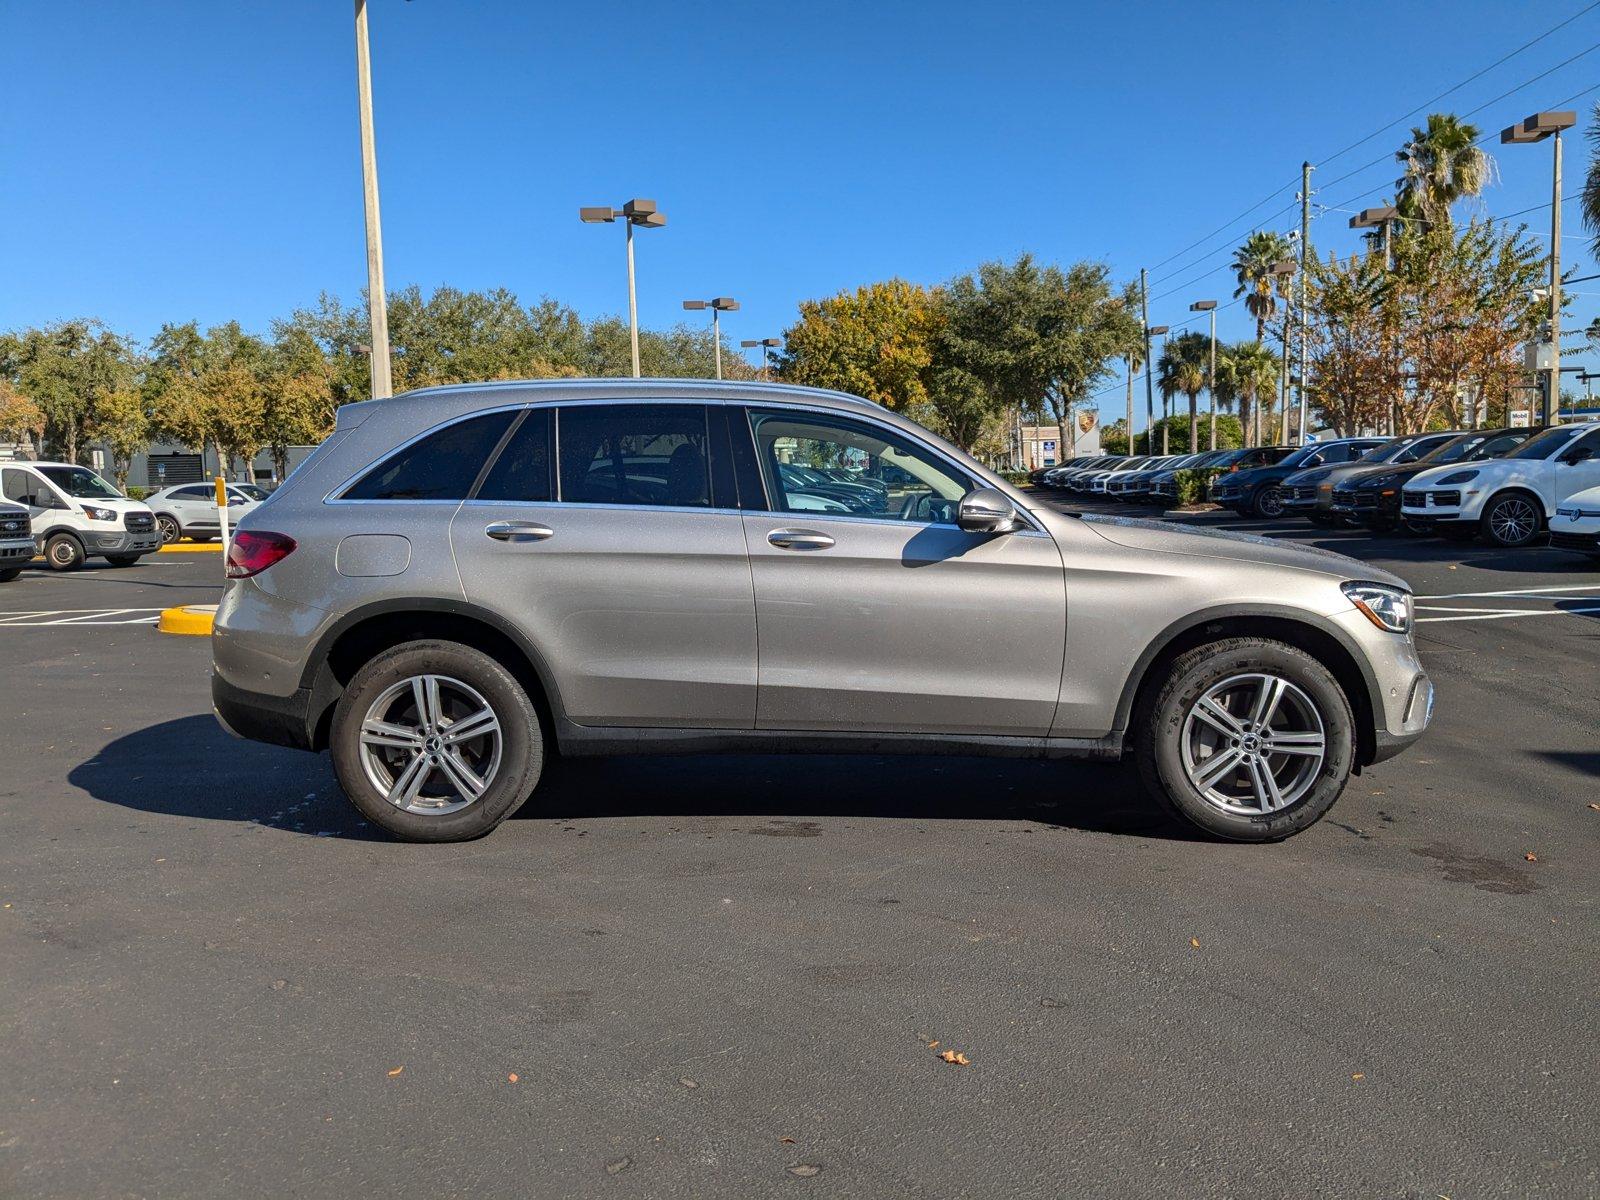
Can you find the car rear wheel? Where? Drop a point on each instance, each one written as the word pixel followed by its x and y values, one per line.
pixel 171 531
pixel 1246 740
pixel 10 573
pixel 1512 520
pixel 436 742
pixel 63 553
pixel 1268 502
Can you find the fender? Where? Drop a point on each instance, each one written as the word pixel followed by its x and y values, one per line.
pixel 42 537
pixel 1194 620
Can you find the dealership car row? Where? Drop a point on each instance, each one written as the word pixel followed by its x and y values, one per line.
pixel 1508 487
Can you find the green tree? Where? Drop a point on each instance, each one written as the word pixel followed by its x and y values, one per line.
pixel 1440 164
pixel 1183 367
pixel 64 370
pixel 877 342
pixel 1247 372
pixel 21 420
pixel 1252 268
pixel 120 420
pixel 1590 196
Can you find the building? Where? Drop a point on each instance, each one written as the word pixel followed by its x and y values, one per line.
pixel 1040 448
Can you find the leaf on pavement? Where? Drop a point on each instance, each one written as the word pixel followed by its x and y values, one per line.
pixel 1531 856
pixel 1195 942
pixel 955 1056
pixel 1358 1075
pixel 511 1078
pixel 395 1072
pixel 1596 807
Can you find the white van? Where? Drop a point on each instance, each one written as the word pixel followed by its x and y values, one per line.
pixel 78 515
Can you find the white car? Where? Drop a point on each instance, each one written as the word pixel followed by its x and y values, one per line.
pixel 1508 501
pixel 190 510
pixel 78 515
pixel 1576 525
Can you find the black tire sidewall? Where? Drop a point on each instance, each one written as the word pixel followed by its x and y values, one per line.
pixel 63 539
pixel 1161 760
pixel 1259 504
pixel 522 741
pixel 9 573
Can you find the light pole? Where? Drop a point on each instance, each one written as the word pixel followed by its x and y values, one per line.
pixel 1150 396
pixel 1535 129
pixel 1209 306
pixel 634 212
pixel 377 302
pixel 718 306
pixel 1381 218
pixel 766 344
pixel 1282 270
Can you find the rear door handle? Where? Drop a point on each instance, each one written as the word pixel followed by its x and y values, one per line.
pixel 799 539
pixel 518 531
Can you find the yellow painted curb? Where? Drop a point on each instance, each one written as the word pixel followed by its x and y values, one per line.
pixel 191 620
pixel 192 548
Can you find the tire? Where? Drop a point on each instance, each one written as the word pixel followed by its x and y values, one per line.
pixel 1268 503
pixel 122 560
pixel 10 573
pixel 1322 521
pixel 171 531
pixel 1173 743
pixel 63 552
pixel 1511 521
pixel 466 678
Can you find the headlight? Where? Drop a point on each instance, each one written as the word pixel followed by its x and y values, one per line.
pixel 99 514
pixel 1459 477
pixel 1386 607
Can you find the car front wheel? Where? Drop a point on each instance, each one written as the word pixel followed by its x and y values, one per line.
pixel 1269 502
pixel 436 742
pixel 1511 521
pixel 1247 740
pixel 63 553
pixel 171 531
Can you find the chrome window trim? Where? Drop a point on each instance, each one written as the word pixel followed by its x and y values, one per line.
pixel 590 504
pixel 801 518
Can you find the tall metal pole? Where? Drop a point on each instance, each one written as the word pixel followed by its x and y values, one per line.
pixel 1149 371
pixel 1305 250
pixel 1388 270
pixel 377 301
pixel 716 338
pixel 1166 416
pixel 633 304
pixel 1283 378
pixel 1211 379
pixel 1553 392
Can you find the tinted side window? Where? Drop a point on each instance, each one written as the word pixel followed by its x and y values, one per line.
pixel 18 485
pixel 194 493
pixel 522 472
pixel 640 454
pixel 1589 442
pixel 1496 446
pixel 442 466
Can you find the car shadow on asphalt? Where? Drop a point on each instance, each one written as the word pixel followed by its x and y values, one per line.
pixel 190 768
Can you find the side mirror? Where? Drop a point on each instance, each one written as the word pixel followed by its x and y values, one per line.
pixel 986 510
pixel 1577 455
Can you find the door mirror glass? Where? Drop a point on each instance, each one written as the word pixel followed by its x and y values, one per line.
pixel 986 510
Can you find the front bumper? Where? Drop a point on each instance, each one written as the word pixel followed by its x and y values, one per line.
pixel 1585 542
pixel 14 551
pixel 122 542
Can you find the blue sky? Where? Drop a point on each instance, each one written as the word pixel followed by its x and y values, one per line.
pixel 176 160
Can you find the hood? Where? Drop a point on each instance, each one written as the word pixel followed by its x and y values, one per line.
pixel 1166 537
pixel 1310 475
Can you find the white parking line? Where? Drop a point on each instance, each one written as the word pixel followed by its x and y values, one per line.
pixel 1527 592
pixel 1565 593
pixel 80 616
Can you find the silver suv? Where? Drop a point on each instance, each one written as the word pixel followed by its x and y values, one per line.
pixel 462 581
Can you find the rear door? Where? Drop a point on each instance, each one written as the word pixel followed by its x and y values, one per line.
pixel 608 534
pixel 892 618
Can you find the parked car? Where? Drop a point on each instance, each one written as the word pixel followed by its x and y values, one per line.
pixel 1577 523
pixel 1135 484
pixel 1164 483
pixel 16 541
pixel 1507 501
pixel 463 580
pixel 1094 482
pixel 1257 491
pixel 190 510
pixel 78 515
pixel 1372 496
pixel 1056 477
pixel 1077 480
pixel 1309 492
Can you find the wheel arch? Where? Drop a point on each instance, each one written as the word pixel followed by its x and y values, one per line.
pixel 368 631
pixel 1521 489
pixel 1320 638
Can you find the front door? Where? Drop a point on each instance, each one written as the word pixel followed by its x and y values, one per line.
pixel 875 612
pixel 625 567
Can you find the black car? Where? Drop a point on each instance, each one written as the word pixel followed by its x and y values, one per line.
pixel 1309 493
pixel 1163 484
pixel 1372 496
pixel 1257 490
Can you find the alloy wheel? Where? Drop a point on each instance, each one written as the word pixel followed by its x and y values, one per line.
pixel 430 745
pixel 169 529
pixel 1254 743
pixel 1513 521
pixel 1270 502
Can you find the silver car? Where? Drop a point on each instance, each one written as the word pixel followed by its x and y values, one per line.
pixel 463 581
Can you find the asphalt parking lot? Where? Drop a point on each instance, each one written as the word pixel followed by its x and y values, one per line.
pixel 676 977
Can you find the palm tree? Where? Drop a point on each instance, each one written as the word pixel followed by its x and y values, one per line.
pixel 1590 201
pixel 1249 371
pixel 1252 267
pixel 1440 165
pixel 1183 367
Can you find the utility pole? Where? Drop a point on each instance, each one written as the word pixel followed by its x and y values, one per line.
pixel 1149 371
pixel 1211 378
pixel 377 300
pixel 1552 414
pixel 1305 252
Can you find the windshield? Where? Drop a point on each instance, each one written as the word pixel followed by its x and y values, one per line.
pixel 1547 443
pixel 1394 451
pixel 1300 455
pixel 80 483
pixel 1224 458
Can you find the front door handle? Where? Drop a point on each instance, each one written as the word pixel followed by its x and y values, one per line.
pixel 799 539
pixel 518 531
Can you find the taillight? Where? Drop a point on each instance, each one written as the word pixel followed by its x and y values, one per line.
pixel 250 552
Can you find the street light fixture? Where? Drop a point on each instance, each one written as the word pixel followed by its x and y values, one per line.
pixel 718 306
pixel 1282 270
pixel 1150 404
pixel 1535 129
pixel 765 344
pixel 1209 306
pixel 635 212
